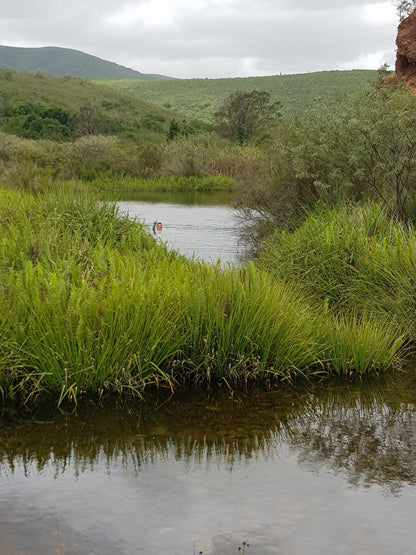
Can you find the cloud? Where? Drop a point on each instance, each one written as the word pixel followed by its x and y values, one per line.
pixel 209 38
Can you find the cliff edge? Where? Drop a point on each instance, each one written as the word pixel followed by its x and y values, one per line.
pixel 406 51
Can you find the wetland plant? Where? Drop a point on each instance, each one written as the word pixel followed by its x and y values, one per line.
pixel 90 304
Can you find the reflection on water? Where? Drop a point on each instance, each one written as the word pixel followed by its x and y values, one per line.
pixel 200 224
pixel 320 469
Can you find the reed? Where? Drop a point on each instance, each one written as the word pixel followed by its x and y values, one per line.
pixel 360 345
pixel 240 324
pixel 91 304
pixel 171 183
pixel 351 258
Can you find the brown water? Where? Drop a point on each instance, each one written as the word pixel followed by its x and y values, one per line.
pixel 313 469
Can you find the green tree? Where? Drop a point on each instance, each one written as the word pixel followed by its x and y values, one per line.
pixel 174 130
pixel 37 121
pixel 244 114
pixel 361 147
pixel 358 147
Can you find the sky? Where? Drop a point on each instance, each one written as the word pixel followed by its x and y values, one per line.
pixel 211 38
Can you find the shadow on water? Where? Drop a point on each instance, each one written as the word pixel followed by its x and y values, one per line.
pixel 192 198
pixel 217 470
pixel 366 430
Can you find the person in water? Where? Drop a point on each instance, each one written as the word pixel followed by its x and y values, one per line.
pixel 157 226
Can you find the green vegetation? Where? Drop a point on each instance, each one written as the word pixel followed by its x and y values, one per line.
pixel 91 304
pixel 203 161
pixel 60 62
pixel 171 183
pixel 201 98
pixel 243 115
pixel 350 258
pixel 29 106
pixel 360 148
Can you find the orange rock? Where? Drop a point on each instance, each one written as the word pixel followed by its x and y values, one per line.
pixel 406 51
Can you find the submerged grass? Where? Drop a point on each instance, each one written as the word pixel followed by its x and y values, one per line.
pixel 91 304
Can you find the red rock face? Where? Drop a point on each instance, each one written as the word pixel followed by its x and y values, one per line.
pixel 406 49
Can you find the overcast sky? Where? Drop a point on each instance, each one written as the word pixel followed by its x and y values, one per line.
pixel 211 38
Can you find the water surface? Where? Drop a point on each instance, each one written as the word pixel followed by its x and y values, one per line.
pixel 323 469
pixel 203 225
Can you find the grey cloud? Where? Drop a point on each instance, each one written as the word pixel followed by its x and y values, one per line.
pixel 281 34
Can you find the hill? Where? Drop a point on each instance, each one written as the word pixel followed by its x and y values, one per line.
pixel 60 62
pixel 28 103
pixel 200 98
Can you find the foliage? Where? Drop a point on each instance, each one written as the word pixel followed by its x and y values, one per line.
pixel 37 121
pixel 363 146
pixel 201 98
pixel 91 108
pixel 243 114
pixel 171 183
pixel 111 159
pixel 183 129
pixel 351 258
pixel 90 304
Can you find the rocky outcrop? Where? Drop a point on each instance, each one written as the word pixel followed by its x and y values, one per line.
pixel 406 51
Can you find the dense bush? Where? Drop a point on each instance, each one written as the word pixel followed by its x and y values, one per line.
pixel 38 121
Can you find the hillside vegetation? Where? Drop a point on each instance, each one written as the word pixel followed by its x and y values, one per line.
pixel 26 99
pixel 59 62
pixel 90 304
pixel 201 98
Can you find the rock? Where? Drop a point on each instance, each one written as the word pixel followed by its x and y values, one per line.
pixel 406 51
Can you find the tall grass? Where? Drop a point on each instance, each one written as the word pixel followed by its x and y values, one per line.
pixel 173 183
pixel 351 258
pixel 239 323
pixel 91 304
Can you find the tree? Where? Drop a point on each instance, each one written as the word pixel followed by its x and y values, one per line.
pixel 243 114
pixel 174 130
pixel 361 147
pixel 37 121
pixel 404 8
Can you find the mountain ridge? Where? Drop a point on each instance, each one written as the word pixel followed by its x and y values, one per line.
pixel 62 62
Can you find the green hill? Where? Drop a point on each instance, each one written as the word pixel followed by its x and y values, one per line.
pixel 200 98
pixel 26 99
pixel 59 62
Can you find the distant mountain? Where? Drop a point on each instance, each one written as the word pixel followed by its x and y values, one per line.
pixel 60 62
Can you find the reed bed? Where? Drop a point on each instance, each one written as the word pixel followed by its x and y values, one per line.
pixel 91 304
pixel 171 183
pixel 351 258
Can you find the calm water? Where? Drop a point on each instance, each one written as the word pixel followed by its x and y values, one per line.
pixel 203 224
pixel 322 469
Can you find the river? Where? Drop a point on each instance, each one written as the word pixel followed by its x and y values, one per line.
pixel 310 469
pixel 200 224
pixel 316 469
